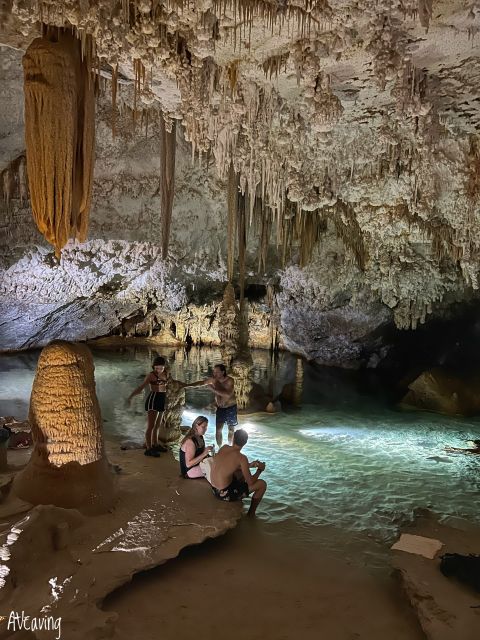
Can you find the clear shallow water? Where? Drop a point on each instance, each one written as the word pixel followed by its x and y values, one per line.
pixel 343 458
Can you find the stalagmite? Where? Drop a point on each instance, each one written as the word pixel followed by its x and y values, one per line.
pixel 59 135
pixel 168 145
pixel 241 372
pixel 242 364
pixel 172 416
pixel 68 466
pixel 229 328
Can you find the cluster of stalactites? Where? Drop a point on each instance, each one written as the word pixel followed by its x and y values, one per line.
pixel 59 134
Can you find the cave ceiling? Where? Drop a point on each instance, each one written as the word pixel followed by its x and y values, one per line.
pixel 361 113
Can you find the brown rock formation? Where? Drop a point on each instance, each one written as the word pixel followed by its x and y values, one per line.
pixel 68 466
pixel 229 325
pixel 59 135
pixel 172 417
pixel 439 391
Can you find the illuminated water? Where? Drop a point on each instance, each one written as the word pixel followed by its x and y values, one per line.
pixel 342 459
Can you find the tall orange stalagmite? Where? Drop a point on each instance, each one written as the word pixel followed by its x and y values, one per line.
pixel 68 466
pixel 59 135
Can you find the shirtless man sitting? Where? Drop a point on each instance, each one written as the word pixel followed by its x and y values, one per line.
pixel 230 475
pixel 223 387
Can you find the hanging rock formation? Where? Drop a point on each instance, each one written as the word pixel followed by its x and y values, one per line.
pixel 168 145
pixel 59 135
pixel 68 466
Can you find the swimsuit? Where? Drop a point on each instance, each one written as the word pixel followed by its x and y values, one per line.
pixel 227 415
pixel 236 490
pixel 155 400
pixel 199 448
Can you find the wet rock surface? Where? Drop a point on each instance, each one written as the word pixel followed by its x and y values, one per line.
pixel 57 562
pixel 444 392
pixel 446 609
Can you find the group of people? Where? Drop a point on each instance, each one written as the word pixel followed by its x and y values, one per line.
pixel 230 475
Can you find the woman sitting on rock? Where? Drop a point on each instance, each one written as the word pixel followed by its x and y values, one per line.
pixel 193 449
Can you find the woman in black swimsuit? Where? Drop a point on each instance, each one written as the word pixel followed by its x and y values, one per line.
pixel 193 449
pixel 154 404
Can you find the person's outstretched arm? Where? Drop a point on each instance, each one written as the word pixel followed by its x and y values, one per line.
pixel 200 383
pixel 139 388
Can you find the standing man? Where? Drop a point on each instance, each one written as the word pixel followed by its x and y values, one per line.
pixel 223 387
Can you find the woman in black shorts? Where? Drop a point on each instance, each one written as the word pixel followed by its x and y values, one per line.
pixel 154 404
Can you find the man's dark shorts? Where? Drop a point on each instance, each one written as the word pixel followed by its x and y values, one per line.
pixel 227 415
pixel 236 490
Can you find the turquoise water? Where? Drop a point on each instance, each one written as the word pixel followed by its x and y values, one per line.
pixel 342 458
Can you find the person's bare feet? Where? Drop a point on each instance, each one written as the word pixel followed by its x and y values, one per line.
pixel 253 508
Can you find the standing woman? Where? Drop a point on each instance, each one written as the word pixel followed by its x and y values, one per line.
pixel 154 404
pixel 193 449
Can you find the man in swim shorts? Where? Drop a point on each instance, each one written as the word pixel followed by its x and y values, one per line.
pixel 223 387
pixel 230 475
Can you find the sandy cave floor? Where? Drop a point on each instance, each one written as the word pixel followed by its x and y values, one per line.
pixel 250 584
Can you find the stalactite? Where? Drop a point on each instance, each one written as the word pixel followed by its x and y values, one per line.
pixel 264 241
pixel 473 170
pixel 274 64
pixel 59 135
pixel 114 97
pixel 137 66
pixel 425 9
pixel 13 181
pixel 168 144
pixel 7 185
pixel 232 72
pixel 242 243
pixel 348 229
pixel 232 197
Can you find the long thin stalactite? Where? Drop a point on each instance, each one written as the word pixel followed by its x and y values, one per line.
pixel 168 145
pixel 231 220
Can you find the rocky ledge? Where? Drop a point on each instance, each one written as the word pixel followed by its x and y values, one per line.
pixel 446 608
pixel 61 565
